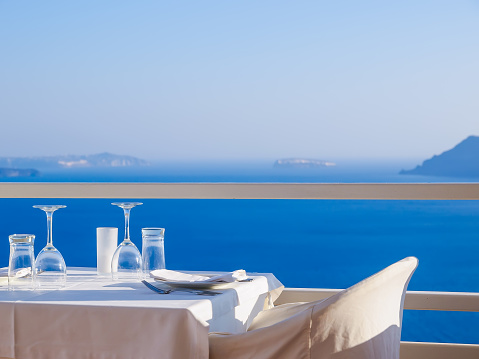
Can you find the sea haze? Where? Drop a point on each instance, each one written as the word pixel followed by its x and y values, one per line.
pixel 345 171
pixel 305 243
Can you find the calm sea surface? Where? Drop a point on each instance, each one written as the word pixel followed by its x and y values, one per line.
pixel 305 243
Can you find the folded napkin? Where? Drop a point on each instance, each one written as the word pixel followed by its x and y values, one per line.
pixel 173 276
pixel 4 274
pixel 20 274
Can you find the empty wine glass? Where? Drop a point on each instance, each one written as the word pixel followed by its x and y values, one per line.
pixel 126 262
pixel 50 268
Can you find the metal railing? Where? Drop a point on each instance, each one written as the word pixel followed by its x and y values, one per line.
pixel 445 301
pixel 370 191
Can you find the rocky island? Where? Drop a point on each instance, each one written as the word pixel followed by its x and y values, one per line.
pixel 460 161
pixel 18 172
pixel 72 161
pixel 302 163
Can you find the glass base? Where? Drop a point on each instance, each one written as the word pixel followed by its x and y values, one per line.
pixel 127 276
pixel 126 263
pixel 50 269
pixel 50 281
pixel 21 284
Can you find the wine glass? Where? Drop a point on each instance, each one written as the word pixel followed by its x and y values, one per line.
pixel 50 268
pixel 126 261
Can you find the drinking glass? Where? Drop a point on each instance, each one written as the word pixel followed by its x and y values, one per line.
pixel 50 268
pixel 21 262
pixel 126 262
pixel 153 250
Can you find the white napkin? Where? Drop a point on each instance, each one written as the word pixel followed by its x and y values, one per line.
pixel 20 274
pixel 237 275
pixel 174 276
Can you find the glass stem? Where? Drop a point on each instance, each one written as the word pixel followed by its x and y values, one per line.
pixel 49 229
pixel 127 223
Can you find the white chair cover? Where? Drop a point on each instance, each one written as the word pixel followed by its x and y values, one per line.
pixel 362 322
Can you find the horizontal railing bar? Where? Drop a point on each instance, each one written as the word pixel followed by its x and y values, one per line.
pixel 366 191
pixel 418 350
pixel 415 300
pixel 447 301
pixel 293 295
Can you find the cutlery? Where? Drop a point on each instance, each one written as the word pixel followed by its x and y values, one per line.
pixel 197 292
pixel 167 291
pixel 246 280
pixel 156 289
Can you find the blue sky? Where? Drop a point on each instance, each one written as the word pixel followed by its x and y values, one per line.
pixel 196 80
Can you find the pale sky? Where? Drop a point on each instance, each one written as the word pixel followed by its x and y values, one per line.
pixel 251 79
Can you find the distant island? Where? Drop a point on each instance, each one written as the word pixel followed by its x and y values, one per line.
pixel 18 172
pixel 71 161
pixel 460 161
pixel 302 163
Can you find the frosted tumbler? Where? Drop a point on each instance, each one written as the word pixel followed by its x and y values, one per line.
pixel 106 243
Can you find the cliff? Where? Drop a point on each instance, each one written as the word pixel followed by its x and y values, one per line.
pixel 460 161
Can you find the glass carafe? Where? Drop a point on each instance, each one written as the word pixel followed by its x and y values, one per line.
pixel 20 265
pixel 153 250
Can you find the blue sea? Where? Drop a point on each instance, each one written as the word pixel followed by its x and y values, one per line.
pixel 305 243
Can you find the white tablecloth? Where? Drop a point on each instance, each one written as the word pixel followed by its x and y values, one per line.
pixel 96 318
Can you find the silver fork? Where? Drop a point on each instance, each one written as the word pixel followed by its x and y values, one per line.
pixel 156 289
pixel 167 291
pixel 197 292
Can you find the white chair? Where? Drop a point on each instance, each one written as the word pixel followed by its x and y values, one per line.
pixel 361 322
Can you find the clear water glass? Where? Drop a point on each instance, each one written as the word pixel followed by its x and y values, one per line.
pixel 126 261
pixel 21 262
pixel 153 250
pixel 50 269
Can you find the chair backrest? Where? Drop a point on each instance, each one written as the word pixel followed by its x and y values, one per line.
pixel 361 322
pixel 365 320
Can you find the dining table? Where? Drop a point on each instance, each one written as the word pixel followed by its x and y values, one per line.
pixel 94 317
